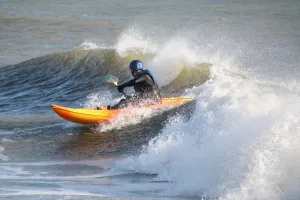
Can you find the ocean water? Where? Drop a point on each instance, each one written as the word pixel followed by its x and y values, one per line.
pixel 238 139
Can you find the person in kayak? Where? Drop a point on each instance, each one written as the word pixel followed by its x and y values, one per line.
pixel 146 89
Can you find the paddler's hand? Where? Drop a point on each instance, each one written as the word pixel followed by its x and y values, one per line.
pixel 120 88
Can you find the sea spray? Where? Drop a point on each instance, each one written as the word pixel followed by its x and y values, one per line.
pixel 235 146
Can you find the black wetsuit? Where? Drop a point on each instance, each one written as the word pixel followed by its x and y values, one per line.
pixel 147 91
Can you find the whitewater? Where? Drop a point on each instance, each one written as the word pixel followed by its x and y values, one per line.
pixel 238 139
pixel 241 142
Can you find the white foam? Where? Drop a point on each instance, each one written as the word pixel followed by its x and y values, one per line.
pixel 2 156
pixel 170 55
pixel 135 40
pixel 99 99
pixel 242 143
pixel 128 116
pixel 243 140
pixel 88 45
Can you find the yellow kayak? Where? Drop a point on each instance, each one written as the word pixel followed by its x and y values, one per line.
pixel 92 116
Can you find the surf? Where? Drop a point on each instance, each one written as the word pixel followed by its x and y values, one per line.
pixel 240 142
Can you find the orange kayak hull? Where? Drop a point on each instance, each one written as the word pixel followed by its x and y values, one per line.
pixel 92 116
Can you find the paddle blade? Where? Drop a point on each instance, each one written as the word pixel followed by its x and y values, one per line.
pixel 111 79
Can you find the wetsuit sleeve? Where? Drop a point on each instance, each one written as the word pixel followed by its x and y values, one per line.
pixel 128 83
pixel 144 79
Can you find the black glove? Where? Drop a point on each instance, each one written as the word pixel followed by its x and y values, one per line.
pixel 120 88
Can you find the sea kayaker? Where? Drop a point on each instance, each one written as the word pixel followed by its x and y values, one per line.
pixel 146 89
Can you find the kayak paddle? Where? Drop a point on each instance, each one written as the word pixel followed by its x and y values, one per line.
pixel 114 80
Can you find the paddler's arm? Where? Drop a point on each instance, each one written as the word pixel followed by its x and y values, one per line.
pixel 127 84
pixel 144 78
